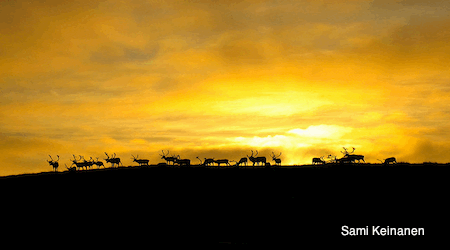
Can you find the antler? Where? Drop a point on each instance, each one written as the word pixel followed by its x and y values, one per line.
pixel 105 154
pixel 353 150
pixel 58 157
pixel 50 157
pixel 256 153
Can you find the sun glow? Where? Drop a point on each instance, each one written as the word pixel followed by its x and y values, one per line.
pixel 321 131
pixel 295 137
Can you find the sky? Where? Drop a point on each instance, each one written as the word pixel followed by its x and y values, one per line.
pixel 217 79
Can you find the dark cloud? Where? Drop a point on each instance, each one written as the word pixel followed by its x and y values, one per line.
pixel 235 52
pixel 122 54
pixel 400 4
pixel 425 150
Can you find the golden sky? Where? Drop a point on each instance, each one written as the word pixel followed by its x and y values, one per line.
pixel 220 78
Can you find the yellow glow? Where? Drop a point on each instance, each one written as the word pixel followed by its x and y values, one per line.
pixel 270 141
pixel 321 131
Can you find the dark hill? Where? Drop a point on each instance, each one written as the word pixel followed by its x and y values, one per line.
pixel 252 206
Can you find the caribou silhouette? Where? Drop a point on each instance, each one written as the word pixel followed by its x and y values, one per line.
pixel 207 162
pixel 78 164
pixel 140 161
pixel 98 163
pixel 389 160
pixel 243 160
pixel 257 160
pixel 113 160
pixel 168 159
pixel 53 163
pixel 182 162
pixel 71 169
pixel 349 158
pixel 222 161
pixel 318 160
pixel 276 159
pixel 87 163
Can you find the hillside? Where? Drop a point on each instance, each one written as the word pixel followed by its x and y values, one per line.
pixel 242 205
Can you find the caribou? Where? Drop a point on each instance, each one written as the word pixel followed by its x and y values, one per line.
pixel 224 161
pixel 276 159
pixel 140 161
pixel 88 163
pixel 113 160
pixel 98 163
pixel 71 169
pixel 182 162
pixel 243 160
pixel 332 158
pixel 206 162
pixel 168 159
pixel 389 160
pixel 318 160
pixel 78 164
pixel 53 163
pixel 257 160
pixel 351 158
